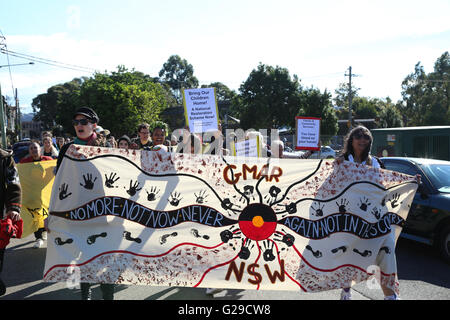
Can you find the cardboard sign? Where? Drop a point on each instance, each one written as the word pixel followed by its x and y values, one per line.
pixel 308 133
pixel 247 148
pixel 201 110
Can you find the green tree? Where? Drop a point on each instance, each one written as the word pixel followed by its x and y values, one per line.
pixel 56 106
pixel 269 98
pixel 317 104
pixel 123 99
pixel 426 97
pixel 178 73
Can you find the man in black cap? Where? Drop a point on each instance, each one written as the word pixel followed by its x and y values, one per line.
pixel 84 122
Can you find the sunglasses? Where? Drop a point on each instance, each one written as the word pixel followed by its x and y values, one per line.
pixel 360 135
pixel 83 122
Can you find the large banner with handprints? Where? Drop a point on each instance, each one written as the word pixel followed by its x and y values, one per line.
pixel 168 219
pixel 36 180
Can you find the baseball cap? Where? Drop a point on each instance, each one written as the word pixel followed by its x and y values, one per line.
pixel 100 129
pixel 88 113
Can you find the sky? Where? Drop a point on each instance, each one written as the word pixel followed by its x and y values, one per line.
pixel 224 40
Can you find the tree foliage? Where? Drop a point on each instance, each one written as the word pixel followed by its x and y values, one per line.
pixel 269 98
pixel 178 73
pixel 317 104
pixel 122 99
pixel 426 97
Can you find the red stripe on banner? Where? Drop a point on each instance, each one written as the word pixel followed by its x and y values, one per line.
pixel 344 265
pixel 279 261
pixel 129 252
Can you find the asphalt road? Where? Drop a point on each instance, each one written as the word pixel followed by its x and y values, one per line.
pixel 422 274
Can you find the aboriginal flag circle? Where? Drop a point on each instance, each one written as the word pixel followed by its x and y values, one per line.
pixel 258 221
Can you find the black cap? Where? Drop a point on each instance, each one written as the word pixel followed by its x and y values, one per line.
pixel 88 113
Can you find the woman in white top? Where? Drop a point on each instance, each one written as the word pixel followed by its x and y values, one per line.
pixel 49 149
pixel 357 146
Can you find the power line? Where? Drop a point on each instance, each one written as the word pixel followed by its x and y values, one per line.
pixel 47 61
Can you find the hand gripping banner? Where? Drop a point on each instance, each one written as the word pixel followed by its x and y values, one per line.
pixel 170 219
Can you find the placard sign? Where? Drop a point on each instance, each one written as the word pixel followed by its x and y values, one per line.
pixel 308 133
pixel 200 108
pixel 247 148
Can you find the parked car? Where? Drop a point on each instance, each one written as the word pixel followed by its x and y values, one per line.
pixel 429 217
pixel 326 152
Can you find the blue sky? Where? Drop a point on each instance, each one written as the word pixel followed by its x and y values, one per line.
pixel 225 40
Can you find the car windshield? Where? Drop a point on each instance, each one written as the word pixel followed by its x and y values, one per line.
pixel 439 175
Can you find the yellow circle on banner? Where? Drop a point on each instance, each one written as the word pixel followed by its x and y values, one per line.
pixel 258 221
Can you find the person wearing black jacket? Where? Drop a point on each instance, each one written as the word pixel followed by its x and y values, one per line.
pixel 10 196
pixel 85 121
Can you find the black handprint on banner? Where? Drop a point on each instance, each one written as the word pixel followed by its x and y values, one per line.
pixel 133 188
pixel 287 239
pixel 342 208
pixel 200 198
pixel 63 191
pixel 244 254
pixel 227 235
pixel 318 210
pixel 273 194
pixel 151 196
pixel 376 213
pixel 268 252
pixel 88 182
pixel 175 198
pixel 364 203
pixel 394 200
pixel 248 192
pixel 226 204
pixel 110 181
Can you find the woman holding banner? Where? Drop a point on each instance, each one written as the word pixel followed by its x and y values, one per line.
pixel 85 121
pixel 357 147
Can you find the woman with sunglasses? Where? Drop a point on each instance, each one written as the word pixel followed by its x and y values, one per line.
pixel 357 146
pixel 84 122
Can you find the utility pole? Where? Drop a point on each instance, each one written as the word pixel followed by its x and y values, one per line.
pixel 350 93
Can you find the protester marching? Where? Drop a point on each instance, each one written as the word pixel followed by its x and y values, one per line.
pixel 191 207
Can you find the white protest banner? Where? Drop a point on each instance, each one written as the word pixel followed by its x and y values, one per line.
pixel 308 133
pixel 201 110
pixel 247 148
pixel 170 219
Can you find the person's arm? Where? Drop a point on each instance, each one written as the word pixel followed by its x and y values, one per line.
pixel 13 194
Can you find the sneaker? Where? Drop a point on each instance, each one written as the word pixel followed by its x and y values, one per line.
pixel 212 291
pixel 393 297
pixel 38 243
pixel 346 294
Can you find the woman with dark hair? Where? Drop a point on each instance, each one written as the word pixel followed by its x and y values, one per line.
pixel 357 146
